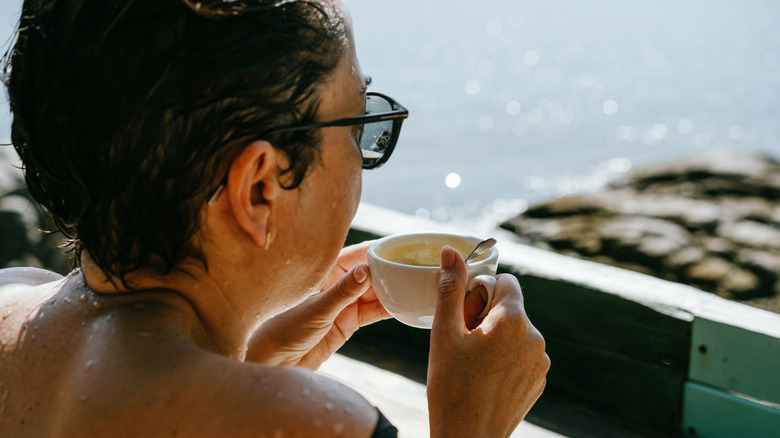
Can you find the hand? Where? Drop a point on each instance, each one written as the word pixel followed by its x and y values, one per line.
pixel 311 332
pixel 482 380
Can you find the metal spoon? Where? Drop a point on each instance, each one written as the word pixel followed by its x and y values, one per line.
pixel 480 248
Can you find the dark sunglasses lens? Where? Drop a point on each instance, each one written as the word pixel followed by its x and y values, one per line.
pixel 376 141
pixel 376 135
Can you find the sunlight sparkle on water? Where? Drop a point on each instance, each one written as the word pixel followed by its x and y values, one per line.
pixel 486 123
pixel 472 87
pixel 685 126
pixel 610 107
pixel 513 107
pixel 452 180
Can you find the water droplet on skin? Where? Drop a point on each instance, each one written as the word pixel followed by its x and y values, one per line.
pixel 6 314
pixel 329 406
pixel 66 299
pixel 338 428
pixel 83 298
pixel 306 392
pixel 317 422
pixel 89 364
pixel 348 411
pixel 97 305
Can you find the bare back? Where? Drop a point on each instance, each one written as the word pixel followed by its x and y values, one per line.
pixel 74 363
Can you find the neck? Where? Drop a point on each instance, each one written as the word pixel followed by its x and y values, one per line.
pixel 226 323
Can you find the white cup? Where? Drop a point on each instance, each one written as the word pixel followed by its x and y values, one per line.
pixel 405 273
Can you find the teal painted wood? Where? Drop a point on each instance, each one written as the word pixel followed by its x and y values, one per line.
pixel 711 413
pixel 636 392
pixel 601 320
pixel 620 357
pixel 736 359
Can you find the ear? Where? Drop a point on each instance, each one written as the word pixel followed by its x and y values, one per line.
pixel 252 188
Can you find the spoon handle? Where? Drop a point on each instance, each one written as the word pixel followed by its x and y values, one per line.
pixel 480 248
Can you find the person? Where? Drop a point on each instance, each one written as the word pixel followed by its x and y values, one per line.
pixel 204 162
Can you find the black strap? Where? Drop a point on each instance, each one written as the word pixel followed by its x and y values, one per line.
pixel 383 428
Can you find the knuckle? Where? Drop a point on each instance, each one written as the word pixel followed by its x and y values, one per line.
pixel 546 363
pixel 449 283
pixel 344 288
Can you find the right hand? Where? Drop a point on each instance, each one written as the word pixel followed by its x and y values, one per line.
pixel 482 381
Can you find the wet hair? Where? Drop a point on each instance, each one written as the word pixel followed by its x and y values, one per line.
pixel 127 113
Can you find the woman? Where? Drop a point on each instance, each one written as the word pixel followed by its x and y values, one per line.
pixel 204 162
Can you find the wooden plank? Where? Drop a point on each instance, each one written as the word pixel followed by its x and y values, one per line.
pixel 605 321
pixel 736 359
pixel 711 413
pixel 622 357
pixel 634 391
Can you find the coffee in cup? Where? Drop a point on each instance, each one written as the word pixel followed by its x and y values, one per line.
pixel 405 273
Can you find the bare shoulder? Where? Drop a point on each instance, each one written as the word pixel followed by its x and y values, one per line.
pixel 168 386
pixel 290 402
pixel 14 278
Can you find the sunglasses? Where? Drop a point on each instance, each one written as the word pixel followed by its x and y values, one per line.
pixel 378 131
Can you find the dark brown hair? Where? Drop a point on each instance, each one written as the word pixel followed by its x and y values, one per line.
pixel 125 112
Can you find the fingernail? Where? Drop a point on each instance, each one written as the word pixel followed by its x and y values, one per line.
pixel 447 257
pixel 360 274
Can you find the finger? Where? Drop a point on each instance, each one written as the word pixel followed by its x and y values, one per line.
pixel 371 312
pixel 353 254
pixel 508 291
pixel 475 303
pixel 451 291
pixel 343 292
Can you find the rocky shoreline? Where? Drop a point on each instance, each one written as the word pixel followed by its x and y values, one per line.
pixel 711 221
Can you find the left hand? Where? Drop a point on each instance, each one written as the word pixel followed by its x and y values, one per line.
pixel 309 333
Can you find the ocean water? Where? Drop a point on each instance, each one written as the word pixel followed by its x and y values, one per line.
pixel 514 102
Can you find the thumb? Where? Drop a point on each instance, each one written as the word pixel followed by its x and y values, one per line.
pixel 452 291
pixel 345 291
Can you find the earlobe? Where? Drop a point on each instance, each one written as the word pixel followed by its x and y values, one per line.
pixel 252 189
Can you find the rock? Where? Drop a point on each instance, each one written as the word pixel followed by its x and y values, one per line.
pixel 684 258
pixel 709 271
pixel 710 220
pixel 20 219
pixel 751 234
pixel 742 284
pixel 14 244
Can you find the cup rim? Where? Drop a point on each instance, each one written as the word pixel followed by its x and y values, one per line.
pixel 491 258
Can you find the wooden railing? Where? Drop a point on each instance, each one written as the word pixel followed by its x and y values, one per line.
pixel 661 356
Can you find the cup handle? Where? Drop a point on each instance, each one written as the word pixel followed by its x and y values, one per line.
pixel 489 282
